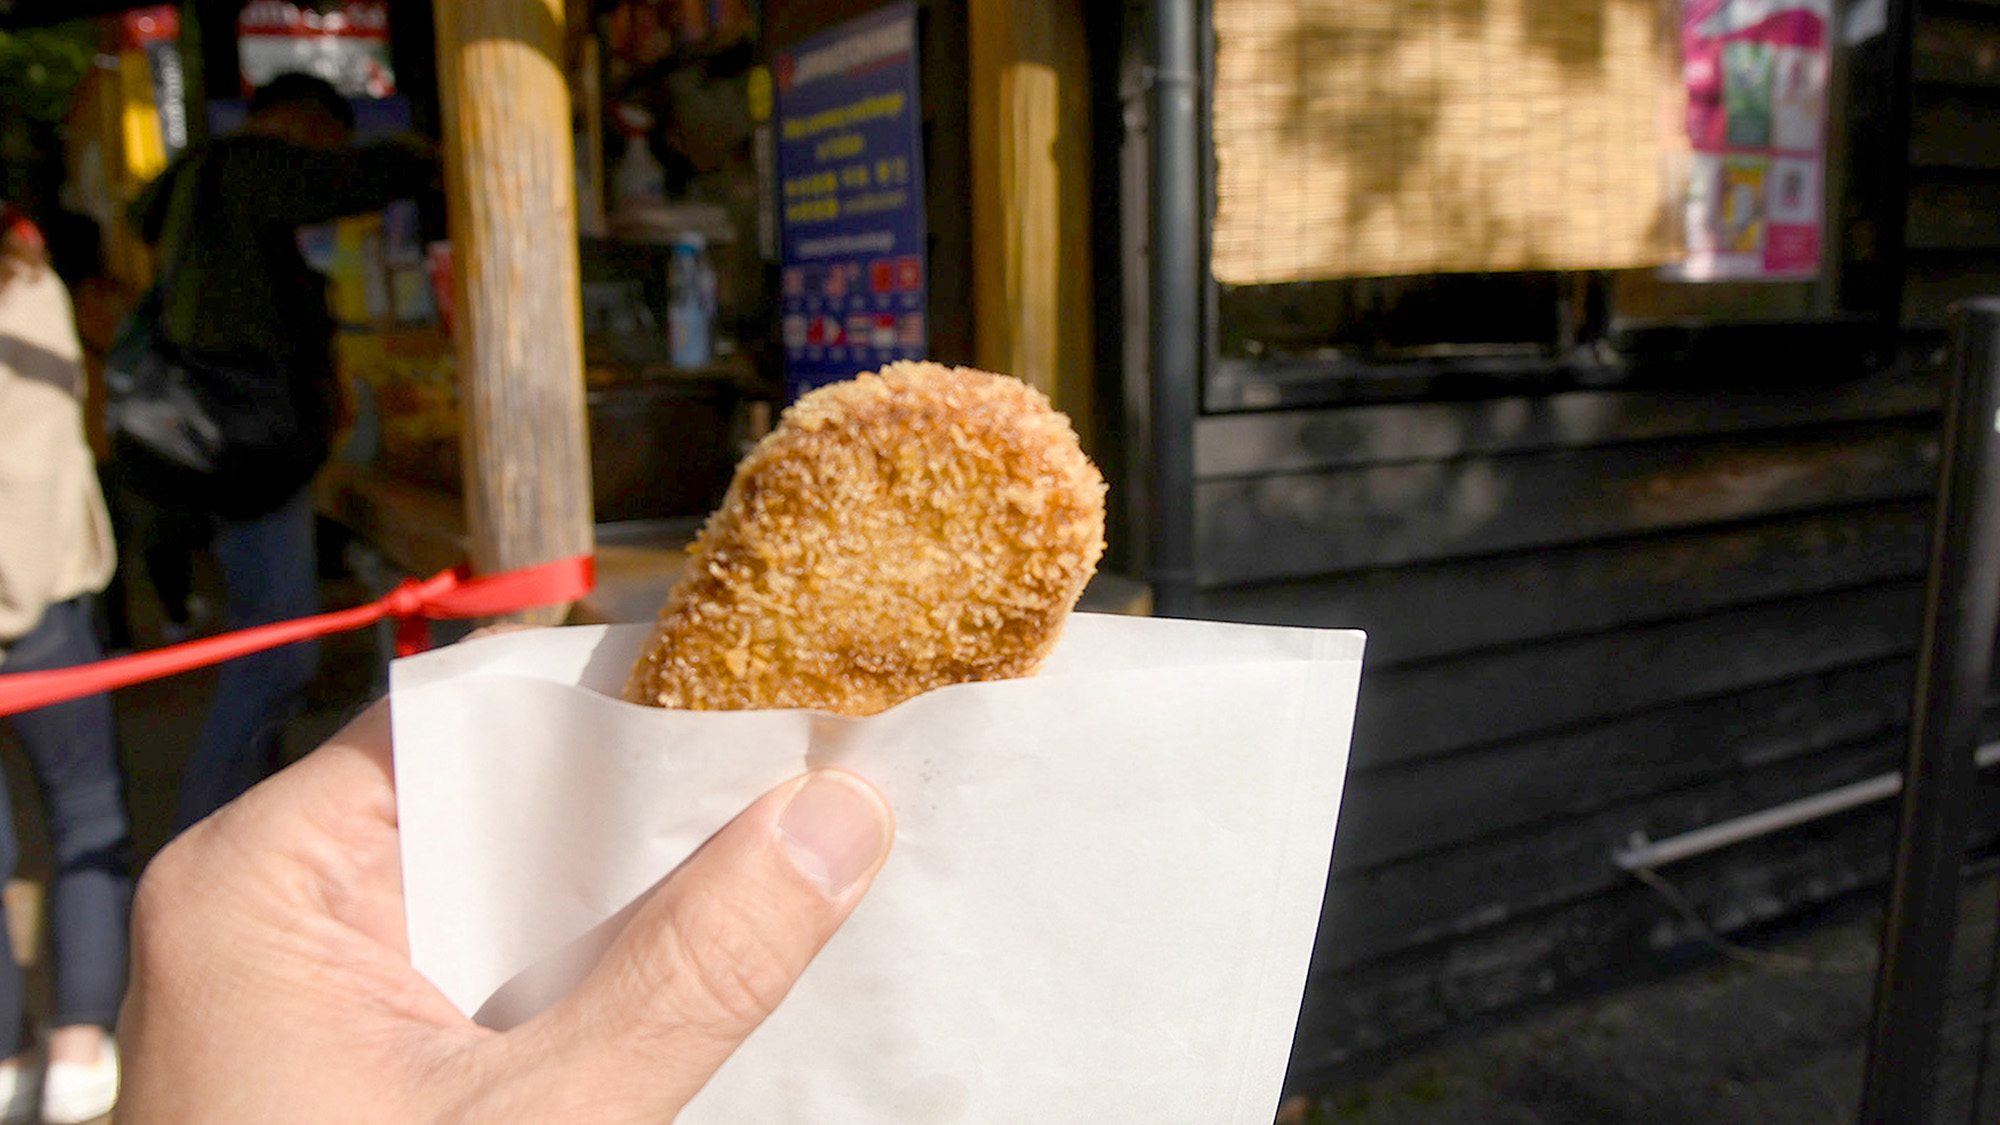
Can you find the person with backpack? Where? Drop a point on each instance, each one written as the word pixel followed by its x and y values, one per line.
pixel 236 298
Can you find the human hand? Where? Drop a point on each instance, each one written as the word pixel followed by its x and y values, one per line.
pixel 272 981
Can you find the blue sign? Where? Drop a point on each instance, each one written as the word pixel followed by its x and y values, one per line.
pixel 851 199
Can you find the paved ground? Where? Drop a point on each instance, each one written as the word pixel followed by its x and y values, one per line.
pixel 1770 1033
pixel 1726 1042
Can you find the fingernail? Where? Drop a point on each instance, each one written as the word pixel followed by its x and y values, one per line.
pixel 834 829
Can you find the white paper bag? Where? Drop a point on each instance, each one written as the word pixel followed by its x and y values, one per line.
pixel 1100 905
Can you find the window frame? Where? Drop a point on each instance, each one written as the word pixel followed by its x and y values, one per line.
pixel 1847 327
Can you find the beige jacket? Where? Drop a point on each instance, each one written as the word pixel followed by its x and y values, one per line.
pixel 55 537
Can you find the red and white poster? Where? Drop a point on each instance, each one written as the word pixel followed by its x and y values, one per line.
pixel 1756 73
pixel 346 43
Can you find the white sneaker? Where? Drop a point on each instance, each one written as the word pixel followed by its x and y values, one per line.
pixel 21 1091
pixel 73 1093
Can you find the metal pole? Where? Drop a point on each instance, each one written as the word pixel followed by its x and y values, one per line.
pixel 1651 854
pixel 1175 226
pixel 1961 605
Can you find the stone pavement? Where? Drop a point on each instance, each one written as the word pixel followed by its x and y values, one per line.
pixel 1724 1041
pixel 1771 1031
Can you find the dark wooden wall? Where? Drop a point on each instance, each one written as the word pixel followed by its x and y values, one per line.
pixel 1953 224
pixel 1591 614
pixel 1596 614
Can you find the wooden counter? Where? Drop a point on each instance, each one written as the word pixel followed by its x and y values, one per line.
pixel 418 528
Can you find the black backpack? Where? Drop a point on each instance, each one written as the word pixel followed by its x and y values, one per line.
pixel 233 436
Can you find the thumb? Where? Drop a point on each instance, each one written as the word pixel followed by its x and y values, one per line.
pixel 715 949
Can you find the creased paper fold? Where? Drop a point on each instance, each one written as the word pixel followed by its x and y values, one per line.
pixel 1100 906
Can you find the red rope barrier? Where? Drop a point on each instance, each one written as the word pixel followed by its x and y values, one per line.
pixel 452 594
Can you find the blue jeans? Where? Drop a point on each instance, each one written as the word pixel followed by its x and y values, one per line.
pixel 270 572
pixel 74 756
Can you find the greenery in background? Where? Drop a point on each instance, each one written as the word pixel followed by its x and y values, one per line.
pixel 41 66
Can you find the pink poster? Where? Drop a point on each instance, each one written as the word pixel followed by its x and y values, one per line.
pixel 1756 73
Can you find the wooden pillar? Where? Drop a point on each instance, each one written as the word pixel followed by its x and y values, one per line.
pixel 1031 146
pixel 511 193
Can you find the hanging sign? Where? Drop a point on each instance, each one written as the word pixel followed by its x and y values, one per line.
pixel 850 199
pixel 345 42
pixel 155 33
pixel 1756 73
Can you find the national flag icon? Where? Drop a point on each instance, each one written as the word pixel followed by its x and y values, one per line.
pixel 860 328
pixel 825 332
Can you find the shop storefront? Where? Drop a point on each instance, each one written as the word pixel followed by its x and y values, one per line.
pixel 1601 390
pixel 766 196
pixel 760 192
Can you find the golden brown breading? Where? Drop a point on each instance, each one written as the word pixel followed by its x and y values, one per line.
pixel 894 533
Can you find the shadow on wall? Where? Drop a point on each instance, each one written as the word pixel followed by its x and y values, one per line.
pixel 1450 135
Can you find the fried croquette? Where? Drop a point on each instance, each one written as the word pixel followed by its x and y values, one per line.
pixel 894 533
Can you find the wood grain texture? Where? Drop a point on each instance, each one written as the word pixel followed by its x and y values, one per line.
pixel 1428 610
pixel 1953 130
pixel 511 190
pixel 1590 613
pixel 1403 813
pixel 418 528
pixel 1954 216
pixel 1348 1014
pixel 1493 697
pixel 1934 284
pixel 1295 441
pixel 1475 886
pixel 1031 149
pixel 1595 612
pixel 1298 524
pixel 1956 51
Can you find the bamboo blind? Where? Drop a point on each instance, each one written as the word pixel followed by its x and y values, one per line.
pixel 1360 138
